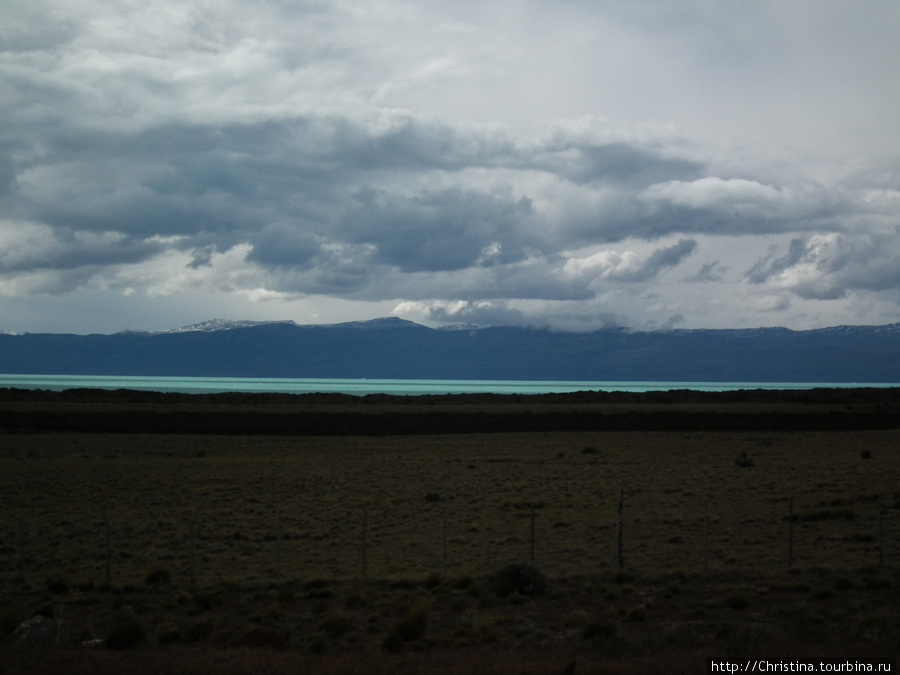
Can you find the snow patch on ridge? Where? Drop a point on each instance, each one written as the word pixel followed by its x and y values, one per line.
pixel 214 325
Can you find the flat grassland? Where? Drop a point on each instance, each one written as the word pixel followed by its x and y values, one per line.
pixel 378 534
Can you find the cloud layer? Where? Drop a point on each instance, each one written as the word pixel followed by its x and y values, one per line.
pixel 672 163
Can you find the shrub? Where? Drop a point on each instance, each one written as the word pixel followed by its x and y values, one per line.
pixel 822 594
pixel 204 601
pixel 743 461
pixel 737 601
pixel 411 626
pixel 258 637
pixel 335 623
pixel 623 578
pixel 198 631
pixel 521 577
pixel 575 618
pixel 9 621
pixel 516 598
pixel 878 584
pixel 463 583
pixel 158 577
pixel 825 514
pixel 126 634
pixel 167 632
pixel 392 642
pixel 637 614
pixel 599 629
pixel 58 586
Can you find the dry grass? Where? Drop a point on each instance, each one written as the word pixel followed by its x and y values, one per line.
pixel 57 489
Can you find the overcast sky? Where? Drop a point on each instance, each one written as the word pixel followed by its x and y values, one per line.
pixel 574 164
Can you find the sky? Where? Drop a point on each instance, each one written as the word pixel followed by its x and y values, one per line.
pixel 570 165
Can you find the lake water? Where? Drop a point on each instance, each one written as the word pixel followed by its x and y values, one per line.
pixel 211 385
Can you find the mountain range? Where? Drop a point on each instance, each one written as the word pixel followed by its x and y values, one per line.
pixel 392 348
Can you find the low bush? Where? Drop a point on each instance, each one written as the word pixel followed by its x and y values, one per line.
pixel 599 629
pixel 158 577
pixel 167 633
pixel 204 601
pixel 432 580
pixel 126 634
pixel 576 618
pixel 743 461
pixel 392 642
pixel 737 600
pixel 521 577
pixel 198 631
pixel 335 623
pixel 58 586
pixel 412 624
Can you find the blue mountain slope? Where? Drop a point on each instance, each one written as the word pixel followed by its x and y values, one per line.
pixel 393 348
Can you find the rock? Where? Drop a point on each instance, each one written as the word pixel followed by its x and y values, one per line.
pixel 38 630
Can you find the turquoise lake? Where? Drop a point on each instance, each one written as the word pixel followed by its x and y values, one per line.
pixel 211 385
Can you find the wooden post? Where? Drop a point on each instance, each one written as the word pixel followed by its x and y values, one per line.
pixel 705 535
pixel 364 536
pixel 620 556
pixel 278 542
pixel 790 556
pixel 445 540
pixel 880 533
pixel 193 562
pixel 532 534
pixel 108 547
pixel 21 545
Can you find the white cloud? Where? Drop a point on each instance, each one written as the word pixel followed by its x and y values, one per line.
pixel 712 192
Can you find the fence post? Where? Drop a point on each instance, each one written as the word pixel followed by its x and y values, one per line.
pixel 620 557
pixel 364 536
pixel 705 535
pixel 445 539
pixel 790 556
pixel 108 546
pixel 532 533
pixel 278 541
pixel 21 545
pixel 193 562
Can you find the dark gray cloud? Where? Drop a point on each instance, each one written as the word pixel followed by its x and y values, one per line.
pixel 660 259
pixel 438 231
pixel 827 267
pixel 616 162
pixel 711 271
pixel 285 244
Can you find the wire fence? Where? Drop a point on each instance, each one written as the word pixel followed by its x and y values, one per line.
pixel 394 541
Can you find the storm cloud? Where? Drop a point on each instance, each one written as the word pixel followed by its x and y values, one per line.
pixel 449 162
